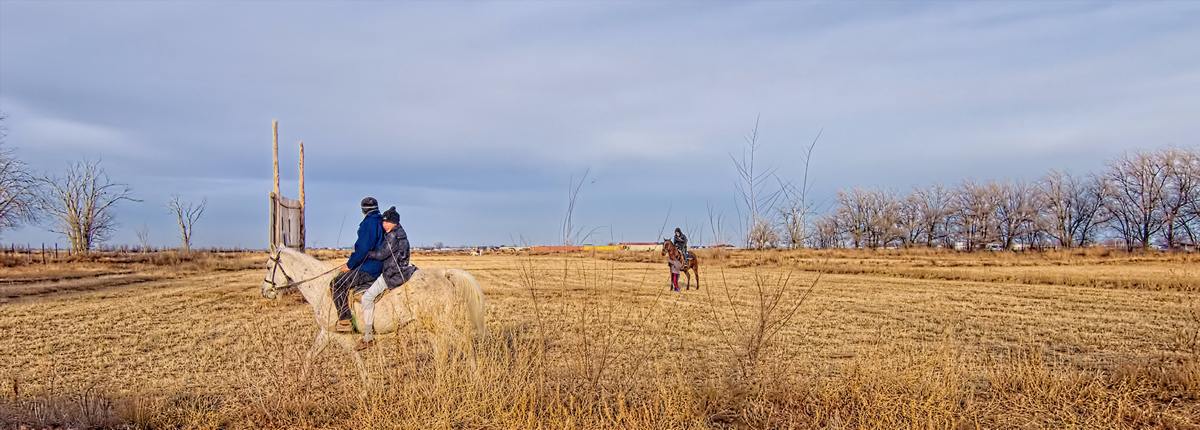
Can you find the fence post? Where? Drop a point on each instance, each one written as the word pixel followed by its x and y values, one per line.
pixel 43 252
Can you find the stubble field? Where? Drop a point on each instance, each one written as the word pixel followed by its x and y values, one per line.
pixel 772 340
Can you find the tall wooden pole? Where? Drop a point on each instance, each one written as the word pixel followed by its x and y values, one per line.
pixel 273 211
pixel 275 152
pixel 303 241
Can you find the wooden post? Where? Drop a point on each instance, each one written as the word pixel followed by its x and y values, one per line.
pixel 303 242
pixel 271 234
pixel 271 225
pixel 275 152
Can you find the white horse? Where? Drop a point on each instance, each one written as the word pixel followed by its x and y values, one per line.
pixel 438 298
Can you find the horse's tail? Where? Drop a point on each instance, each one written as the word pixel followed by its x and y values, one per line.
pixel 472 296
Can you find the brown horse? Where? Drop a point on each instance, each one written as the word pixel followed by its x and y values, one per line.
pixel 692 265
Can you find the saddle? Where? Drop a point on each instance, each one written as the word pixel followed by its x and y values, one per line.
pixel 357 295
pixel 355 302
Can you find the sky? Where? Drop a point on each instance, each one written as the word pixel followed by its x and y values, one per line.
pixel 473 118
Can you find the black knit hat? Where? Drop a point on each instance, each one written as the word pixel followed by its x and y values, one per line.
pixel 369 204
pixel 391 215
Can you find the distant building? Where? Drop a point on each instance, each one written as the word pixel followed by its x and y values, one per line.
pixel 640 246
pixel 555 248
pixel 602 248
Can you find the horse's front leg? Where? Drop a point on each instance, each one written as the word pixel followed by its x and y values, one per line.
pixel 318 345
pixel 363 376
pixel 348 342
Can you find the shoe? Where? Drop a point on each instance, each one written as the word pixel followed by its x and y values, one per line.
pixel 364 344
pixel 344 326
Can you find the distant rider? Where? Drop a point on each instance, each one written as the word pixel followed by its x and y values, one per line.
pixel 394 252
pixel 680 242
pixel 359 271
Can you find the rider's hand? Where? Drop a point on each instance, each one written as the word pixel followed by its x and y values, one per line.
pixel 345 268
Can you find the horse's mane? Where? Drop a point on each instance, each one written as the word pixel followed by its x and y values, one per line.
pixel 308 263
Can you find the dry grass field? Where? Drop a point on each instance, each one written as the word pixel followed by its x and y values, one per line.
pixel 773 340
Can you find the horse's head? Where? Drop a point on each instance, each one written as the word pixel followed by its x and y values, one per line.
pixel 275 277
pixel 667 245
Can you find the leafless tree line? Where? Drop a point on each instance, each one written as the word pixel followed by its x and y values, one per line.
pixel 78 204
pixel 1142 200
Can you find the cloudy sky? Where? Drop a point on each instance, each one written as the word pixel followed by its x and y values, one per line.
pixel 473 117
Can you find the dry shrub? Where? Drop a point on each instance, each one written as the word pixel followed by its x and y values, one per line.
pixel 66 407
pixel 1187 335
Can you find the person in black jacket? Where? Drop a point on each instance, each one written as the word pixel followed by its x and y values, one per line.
pixel 394 252
pixel 681 243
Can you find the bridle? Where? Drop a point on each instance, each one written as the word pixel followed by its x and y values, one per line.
pixel 278 267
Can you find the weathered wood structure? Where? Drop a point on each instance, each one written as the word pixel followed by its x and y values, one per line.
pixel 287 215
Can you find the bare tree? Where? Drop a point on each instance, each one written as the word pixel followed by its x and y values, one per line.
pixel 910 222
pixel 755 197
pixel 19 190
pixel 884 206
pixel 186 215
pixel 974 213
pixel 869 217
pixel 1072 208
pixel 1135 185
pixel 934 211
pixel 1191 223
pixel 1016 212
pixel 853 216
pixel 81 203
pixel 143 235
pixel 827 232
pixel 1181 190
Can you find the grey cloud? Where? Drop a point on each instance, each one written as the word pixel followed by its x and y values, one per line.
pixel 474 115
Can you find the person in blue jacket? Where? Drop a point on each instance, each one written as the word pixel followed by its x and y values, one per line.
pixel 359 271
